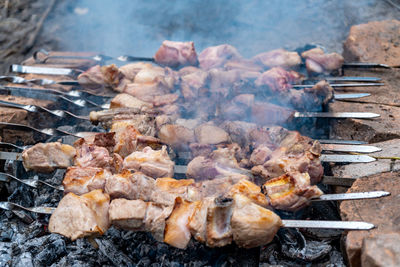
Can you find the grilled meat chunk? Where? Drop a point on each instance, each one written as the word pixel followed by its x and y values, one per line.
pixel 210 134
pixel 130 186
pixel 92 76
pixel 155 220
pixel 177 136
pixel 216 56
pixel 319 62
pixel 177 232
pixel 130 70
pixel 166 190
pixel 264 113
pixel 128 214
pixel 46 157
pixel 176 54
pixel 197 223
pixel 154 163
pixel 291 191
pixel 90 155
pixel 82 180
pixel 278 80
pixel 81 216
pixel 252 225
pixel 129 101
pixel 125 137
pixel 278 58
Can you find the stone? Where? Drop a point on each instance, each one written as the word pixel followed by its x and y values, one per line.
pixel 389 148
pixel 384 212
pixel 377 41
pixel 385 127
pixel 381 251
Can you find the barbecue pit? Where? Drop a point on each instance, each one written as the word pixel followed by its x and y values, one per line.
pixel 289 247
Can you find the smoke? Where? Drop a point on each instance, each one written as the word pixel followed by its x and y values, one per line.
pixel 134 27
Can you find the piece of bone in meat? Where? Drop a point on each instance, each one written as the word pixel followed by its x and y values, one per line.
pixel 81 216
pixel 130 186
pixel 130 70
pixel 176 54
pixel 177 136
pixel 252 225
pixel 90 155
pixel 154 163
pixel 209 134
pixel 278 80
pixel 317 61
pixel 82 180
pixel 155 220
pixel 128 214
pixel 265 114
pixel 177 233
pixel 216 56
pixel 278 58
pixel 219 230
pixel 129 101
pixel 46 157
pixel 198 220
pixel 291 191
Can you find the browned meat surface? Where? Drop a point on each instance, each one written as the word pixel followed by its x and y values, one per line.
pixel 154 163
pixel 297 153
pixel 92 76
pixel 264 113
pixel 177 136
pixel 128 214
pixel 278 58
pixel 291 191
pixel 129 101
pixel 125 137
pixel 81 216
pixel 239 131
pixel 194 84
pixel 146 91
pixel 197 223
pixel 252 225
pixel 177 232
pixel 250 190
pixel 130 70
pixel 176 54
pixel 210 134
pixel 168 189
pixel 317 61
pixel 46 157
pixel 156 216
pixel 278 80
pixel 219 230
pixel 216 56
pixel 260 154
pixel 81 180
pixel 90 155
pixel 130 186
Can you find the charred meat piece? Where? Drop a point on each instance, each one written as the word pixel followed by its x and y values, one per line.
pixel 291 191
pixel 82 180
pixel 176 54
pixel 128 214
pixel 177 233
pixel 81 216
pixel 278 80
pixel 154 163
pixel 278 58
pixel 296 153
pixel 319 62
pixel 46 157
pixel 216 56
pixel 125 137
pixel 321 92
pixel 252 225
pixel 130 186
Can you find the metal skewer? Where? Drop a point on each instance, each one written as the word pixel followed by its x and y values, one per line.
pixel 32 108
pixel 364 65
pixel 34 183
pixel 46 131
pixel 334 85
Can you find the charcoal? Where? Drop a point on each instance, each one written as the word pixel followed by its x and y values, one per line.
pixel 24 260
pixel 5 253
pixel 114 254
